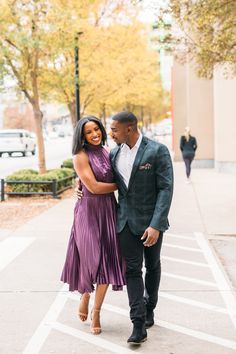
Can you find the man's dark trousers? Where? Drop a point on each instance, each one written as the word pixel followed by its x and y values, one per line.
pixel 133 251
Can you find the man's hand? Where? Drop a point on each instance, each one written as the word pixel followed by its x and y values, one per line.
pixel 78 187
pixel 151 235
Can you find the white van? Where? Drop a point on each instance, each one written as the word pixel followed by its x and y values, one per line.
pixel 16 140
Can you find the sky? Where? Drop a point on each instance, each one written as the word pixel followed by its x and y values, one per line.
pixel 150 8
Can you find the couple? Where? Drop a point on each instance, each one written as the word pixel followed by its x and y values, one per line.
pixel 108 242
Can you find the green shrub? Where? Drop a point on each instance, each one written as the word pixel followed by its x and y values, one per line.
pixel 22 175
pixel 29 170
pixel 67 163
pixel 31 175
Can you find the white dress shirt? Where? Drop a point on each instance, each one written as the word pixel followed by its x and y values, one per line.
pixel 125 159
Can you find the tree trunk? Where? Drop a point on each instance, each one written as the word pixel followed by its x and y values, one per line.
pixel 150 117
pixel 71 107
pixel 38 116
pixel 127 107
pixel 104 115
pixel 34 100
pixel 141 117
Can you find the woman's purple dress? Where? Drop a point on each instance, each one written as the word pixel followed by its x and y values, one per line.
pixel 93 255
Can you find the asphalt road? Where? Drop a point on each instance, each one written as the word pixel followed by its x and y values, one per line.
pixel 56 150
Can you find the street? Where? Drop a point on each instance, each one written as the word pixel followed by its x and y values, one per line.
pixel 56 150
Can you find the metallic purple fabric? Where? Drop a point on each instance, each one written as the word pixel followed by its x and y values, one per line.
pixel 92 255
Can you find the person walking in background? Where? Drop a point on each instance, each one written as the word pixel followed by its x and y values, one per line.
pixel 144 175
pixel 93 255
pixel 188 146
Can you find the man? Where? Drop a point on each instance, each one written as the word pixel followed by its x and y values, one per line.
pixel 144 175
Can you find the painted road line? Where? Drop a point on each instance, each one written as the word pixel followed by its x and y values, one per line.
pixel 171 297
pixel 40 335
pixel 197 334
pixel 180 329
pixel 177 328
pixel 173 259
pixel 89 338
pixel 12 247
pixel 219 276
pixel 189 279
pixel 192 249
pixel 194 303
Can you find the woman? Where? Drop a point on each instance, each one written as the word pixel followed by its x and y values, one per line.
pixel 188 146
pixel 92 255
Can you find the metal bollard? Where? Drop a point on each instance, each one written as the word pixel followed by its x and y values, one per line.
pixel 2 190
pixel 54 188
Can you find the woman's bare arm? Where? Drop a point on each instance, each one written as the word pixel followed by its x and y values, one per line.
pixel 85 173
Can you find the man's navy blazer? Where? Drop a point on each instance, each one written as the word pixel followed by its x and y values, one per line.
pixel 146 201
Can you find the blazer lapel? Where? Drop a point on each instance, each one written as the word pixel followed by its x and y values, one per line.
pixel 113 159
pixel 117 173
pixel 137 160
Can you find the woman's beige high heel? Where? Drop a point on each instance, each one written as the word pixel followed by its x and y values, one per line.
pixel 83 307
pixel 95 329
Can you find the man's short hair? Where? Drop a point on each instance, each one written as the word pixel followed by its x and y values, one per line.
pixel 125 117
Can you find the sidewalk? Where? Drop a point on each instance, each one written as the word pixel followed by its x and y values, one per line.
pixel 197 304
pixel 214 197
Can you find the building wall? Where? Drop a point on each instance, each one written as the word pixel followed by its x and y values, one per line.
pixel 225 122
pixel 193 107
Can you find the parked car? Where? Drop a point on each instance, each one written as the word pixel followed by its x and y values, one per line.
pixel 16 140
pixel 53 135
pixel 61 134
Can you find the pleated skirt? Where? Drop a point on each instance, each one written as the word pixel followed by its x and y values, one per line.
pixel 93 255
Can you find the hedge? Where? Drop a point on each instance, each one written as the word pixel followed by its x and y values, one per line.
pixel 32 175
pixel 67 163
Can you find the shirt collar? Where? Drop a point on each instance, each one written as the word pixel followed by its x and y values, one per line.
pixel 137 144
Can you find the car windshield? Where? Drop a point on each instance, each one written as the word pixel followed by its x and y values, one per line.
pixel 10 135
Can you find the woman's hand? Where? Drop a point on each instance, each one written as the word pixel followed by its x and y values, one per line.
pixel 78 188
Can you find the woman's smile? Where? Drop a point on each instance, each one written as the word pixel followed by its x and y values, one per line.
pixel 92 133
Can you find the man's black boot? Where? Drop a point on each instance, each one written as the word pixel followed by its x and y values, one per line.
pixel 139 334
pixel 149 321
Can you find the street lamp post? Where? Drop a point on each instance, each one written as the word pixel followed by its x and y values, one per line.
pixel 77 86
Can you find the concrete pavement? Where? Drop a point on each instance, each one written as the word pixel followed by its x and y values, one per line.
pixel 196 310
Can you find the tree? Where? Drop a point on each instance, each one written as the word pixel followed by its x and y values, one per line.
pixel 17 118
pixel 208 33
pixel 22 46
pixel 89 18
pixel 117 69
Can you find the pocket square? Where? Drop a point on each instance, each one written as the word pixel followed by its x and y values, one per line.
pixel 147 166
